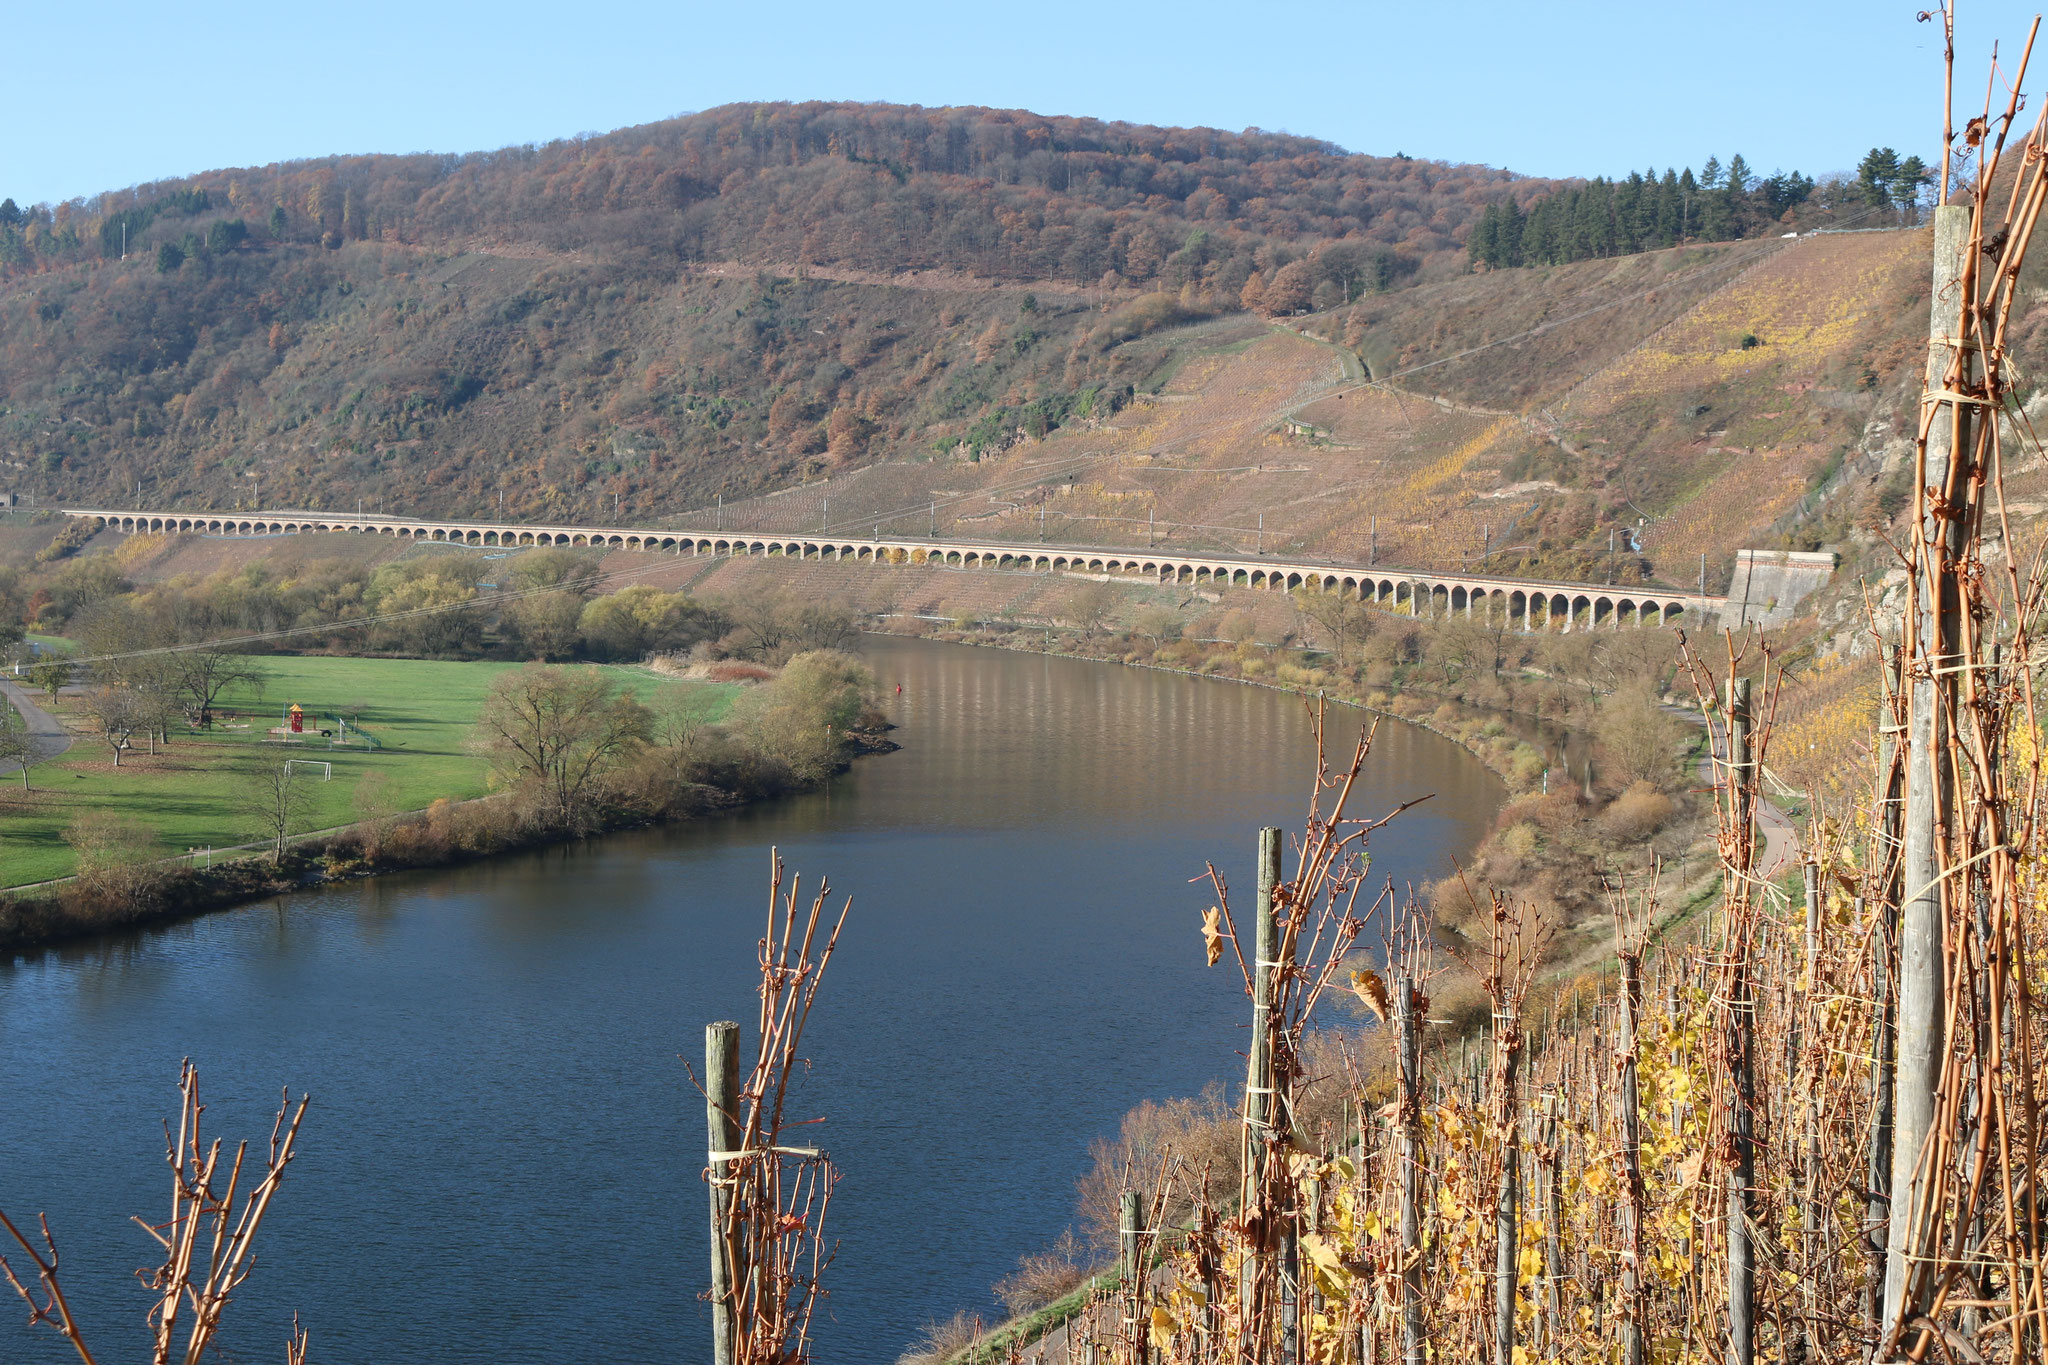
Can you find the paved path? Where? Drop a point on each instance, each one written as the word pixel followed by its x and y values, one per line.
pixel 48 732
pixel 1780 836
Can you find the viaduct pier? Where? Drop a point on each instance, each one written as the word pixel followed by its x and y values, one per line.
pixel 1524 604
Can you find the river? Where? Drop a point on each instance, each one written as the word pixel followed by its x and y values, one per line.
pixel 502 1162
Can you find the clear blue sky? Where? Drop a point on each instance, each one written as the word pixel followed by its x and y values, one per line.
pixel 102 96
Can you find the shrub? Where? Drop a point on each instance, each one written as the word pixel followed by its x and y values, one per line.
pixel 1043 1277
pixel 70 536
pixel 738 671
pixel 115 867
pixel 941 1341
pixel 803 720
pixel 1637 813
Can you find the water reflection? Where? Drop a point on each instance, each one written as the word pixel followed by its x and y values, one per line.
pixel 504 1154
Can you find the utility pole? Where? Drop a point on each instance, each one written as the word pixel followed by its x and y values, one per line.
pixel 1610 555
pixel 1262 533
pixel 1374 556
pixel 932 532
pixel 718 524
pixel 1703 573
pixel 1041 522
pixel 1929 667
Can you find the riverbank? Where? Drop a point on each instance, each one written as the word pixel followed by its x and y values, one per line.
pixel 445 834
pixel 1599 786
pixel 1493 756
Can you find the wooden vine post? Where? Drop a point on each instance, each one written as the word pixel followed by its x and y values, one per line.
pixel 1627 1047
pixel 721 1111
pixel 1131 1272
pixel 1262 1108
pixel 1408 1001
pixel 1507 1199
pixel 1739 1043
pixel 1810 1175
pixel 1927 668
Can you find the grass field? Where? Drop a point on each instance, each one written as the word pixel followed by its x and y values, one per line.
pixel 419 711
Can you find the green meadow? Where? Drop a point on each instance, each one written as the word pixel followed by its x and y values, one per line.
pixel 420 712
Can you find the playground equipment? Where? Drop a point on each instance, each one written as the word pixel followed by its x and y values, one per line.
pixel 293 729
pixel 346 735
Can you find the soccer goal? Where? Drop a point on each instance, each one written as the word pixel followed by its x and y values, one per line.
pixel 326 768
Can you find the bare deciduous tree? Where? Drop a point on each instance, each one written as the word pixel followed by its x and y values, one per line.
pixel 275 804
pixel 559 731
pixel 17 745
pixel 1338 622
pixel 201 676
pixel 1089 609
pixel 115 714
pixel 681 717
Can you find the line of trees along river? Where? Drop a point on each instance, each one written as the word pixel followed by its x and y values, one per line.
pixel 504 1156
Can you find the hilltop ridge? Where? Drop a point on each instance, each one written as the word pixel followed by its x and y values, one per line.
pixel 910 302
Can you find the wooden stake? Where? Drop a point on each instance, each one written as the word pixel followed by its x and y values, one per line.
pixel 721 1110
pixel 1931 654
pixel 1131 1270
pixel 1741 1080
pixel 1809 1195
pixel 1634 1302
pixel 1408 1154
pixel 1263 1111
pixel 1506 1208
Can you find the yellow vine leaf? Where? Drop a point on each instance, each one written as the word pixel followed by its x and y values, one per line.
pixel 1212 934
pixel 1372 991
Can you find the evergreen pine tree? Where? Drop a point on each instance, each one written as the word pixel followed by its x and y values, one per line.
pixel 1512 223
pixel 1875 176
pixel 1668 209
pixel 1710 174
pixel 1539 233
pixel 1906 184
pixel 1483 246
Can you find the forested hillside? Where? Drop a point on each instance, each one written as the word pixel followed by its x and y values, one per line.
pixel 720 305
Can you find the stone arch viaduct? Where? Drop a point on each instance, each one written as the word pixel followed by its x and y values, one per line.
pixel 1524 604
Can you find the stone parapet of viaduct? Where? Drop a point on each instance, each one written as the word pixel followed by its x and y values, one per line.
pixel 1523 603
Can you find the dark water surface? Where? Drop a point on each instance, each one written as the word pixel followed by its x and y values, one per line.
pixel 502 1160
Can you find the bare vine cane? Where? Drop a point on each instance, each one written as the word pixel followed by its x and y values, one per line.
pixel 768 1224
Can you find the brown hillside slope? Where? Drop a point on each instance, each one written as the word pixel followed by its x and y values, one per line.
pixel 1650 417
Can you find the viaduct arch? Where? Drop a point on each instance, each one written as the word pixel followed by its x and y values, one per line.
pixel 1522 604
